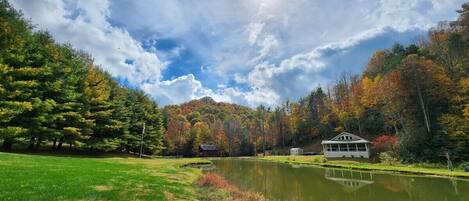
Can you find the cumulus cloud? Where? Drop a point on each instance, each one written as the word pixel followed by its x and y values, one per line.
pixel 84 24
pixel 252 52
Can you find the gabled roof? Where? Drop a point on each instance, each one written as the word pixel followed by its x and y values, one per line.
pixel 208 147
pixel 345 137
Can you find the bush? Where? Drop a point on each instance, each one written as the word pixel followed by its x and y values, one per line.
pixel 384 143
pixel 214 182
pixel 464 166
pixel 212 179
pixel 388 158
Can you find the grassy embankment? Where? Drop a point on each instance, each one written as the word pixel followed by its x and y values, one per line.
pixel 34 177
pixel 424 169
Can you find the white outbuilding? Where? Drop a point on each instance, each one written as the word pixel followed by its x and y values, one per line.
pixel 296 151
pixel 346 145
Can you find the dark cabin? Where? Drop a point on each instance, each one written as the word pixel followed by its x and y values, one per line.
pixel 208 150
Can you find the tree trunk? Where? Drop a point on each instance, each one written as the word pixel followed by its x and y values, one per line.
pixel 38 143
pixel 359 127
pixel 31 143
pixel 54 144
pixel 263 139
pixel 395 128
pixel 424 111
pixel 59 146
pixel 7 144
pixel 283 136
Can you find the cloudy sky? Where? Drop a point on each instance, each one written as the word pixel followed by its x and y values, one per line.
pixel 248 52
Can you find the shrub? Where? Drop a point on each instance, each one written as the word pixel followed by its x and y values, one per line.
pixel 388 158
pixel 384 143
pixel 212 179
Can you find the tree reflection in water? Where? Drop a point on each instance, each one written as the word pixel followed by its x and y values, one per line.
pixel 279 181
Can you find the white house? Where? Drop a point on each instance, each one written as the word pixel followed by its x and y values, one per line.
pixel 296 151
pixel 346 145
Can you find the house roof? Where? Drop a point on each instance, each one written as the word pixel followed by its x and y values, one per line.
pixel 345 138
pixel 208 147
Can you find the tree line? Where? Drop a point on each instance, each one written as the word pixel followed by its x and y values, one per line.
pixel 415 97
pixel 54 95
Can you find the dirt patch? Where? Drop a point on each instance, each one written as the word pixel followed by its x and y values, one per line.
pixel 103 188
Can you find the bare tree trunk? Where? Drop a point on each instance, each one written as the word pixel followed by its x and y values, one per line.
pixel 395 128
pixel 263 138
pixel 425 112
pixel 283 135
pixel 359 127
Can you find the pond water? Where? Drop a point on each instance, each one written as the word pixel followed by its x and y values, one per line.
pixel 278 181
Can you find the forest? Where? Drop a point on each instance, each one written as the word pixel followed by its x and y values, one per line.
pixel 412 101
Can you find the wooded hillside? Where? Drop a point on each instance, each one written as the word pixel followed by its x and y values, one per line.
pixel 53 95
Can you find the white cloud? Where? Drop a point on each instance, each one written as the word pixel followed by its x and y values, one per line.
pixel 270 49
pixel 90 31
pixel 254 30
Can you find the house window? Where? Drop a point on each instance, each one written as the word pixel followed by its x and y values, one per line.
pixel 361 147
pixel 352 147
pixel 334 147
pixel 343 147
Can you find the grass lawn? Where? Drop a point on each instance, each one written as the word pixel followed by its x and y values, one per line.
pixel 35 177
pixel 361 165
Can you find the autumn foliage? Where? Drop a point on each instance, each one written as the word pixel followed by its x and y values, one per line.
pixel 385 143
pixel 212 180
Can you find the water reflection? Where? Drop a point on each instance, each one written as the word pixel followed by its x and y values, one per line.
pixel 349 179
pixel 283 182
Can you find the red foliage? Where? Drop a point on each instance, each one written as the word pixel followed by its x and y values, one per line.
pixel 212 179
pixel 384 143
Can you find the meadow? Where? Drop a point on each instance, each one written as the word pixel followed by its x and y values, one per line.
pixel 39 177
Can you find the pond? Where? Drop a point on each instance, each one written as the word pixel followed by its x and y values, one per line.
pixel 278 181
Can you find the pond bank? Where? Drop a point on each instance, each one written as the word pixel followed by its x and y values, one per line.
pixel 214 187
pixel 319 160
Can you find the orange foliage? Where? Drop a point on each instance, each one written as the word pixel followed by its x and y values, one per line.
pixel 215 180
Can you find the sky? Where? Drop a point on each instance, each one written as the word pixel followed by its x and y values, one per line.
pixel 248 52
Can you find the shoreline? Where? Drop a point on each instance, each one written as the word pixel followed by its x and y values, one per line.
pixel 400 169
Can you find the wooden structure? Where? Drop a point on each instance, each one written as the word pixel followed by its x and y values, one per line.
pixel 208 150
pixel 346 145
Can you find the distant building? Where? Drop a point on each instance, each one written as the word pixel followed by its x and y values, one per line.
pixel 296 151
pixel 208 150
pixel 346 145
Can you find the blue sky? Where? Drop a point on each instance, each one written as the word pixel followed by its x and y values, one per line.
pixel 246 52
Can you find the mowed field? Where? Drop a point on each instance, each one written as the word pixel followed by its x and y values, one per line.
pixel 36 177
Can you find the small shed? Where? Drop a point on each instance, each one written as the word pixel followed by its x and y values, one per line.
pixel 346 145
pixel 296 151
pixel 208 150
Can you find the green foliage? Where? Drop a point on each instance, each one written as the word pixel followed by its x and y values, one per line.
pixel 51 93
pixel 54 94
pixel 388 158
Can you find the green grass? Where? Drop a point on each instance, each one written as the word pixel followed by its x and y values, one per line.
pixel 362 165
pixel 34 177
